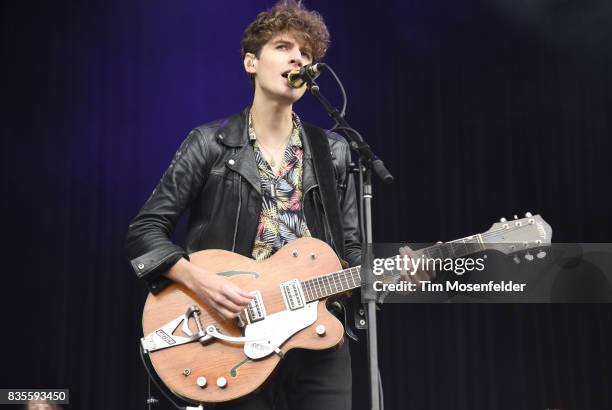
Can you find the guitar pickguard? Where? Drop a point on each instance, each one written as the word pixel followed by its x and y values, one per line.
pixel 276 329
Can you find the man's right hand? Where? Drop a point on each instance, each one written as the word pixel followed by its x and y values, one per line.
pixel 227 299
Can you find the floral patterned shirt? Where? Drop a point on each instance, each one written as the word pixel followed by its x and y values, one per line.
pixel 282 218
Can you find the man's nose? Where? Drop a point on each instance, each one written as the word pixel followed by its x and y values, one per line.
pixel 297 62
pixel 297 58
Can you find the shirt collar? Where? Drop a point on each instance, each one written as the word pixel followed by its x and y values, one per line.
pixel 294 139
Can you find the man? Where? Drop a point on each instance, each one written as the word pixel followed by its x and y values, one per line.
pixel 252 183
pixel 41 405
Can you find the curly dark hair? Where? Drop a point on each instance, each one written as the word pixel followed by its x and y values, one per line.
pixel 287 16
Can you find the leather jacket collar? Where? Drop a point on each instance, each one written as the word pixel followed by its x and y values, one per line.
pixel 233 133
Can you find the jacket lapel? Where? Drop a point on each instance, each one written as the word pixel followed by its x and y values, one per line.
pixel 234 134
pixel 308 175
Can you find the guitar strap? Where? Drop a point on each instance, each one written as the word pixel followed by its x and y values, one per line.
pixel 326 178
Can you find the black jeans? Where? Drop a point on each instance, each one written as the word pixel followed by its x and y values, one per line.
pixel 306 379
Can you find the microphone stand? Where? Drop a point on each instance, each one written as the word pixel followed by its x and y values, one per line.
pixel 368 162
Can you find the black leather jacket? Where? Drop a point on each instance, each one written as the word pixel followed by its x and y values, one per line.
pixel 215 176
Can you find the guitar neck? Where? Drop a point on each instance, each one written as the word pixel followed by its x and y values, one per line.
pixel 336 283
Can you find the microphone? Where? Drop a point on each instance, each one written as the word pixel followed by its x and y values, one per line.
pixel 306 74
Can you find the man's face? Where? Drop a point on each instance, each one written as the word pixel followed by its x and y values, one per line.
pixel 282 53
pixel 39 406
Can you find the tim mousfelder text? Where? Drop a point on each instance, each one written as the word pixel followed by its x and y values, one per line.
pixel 449 286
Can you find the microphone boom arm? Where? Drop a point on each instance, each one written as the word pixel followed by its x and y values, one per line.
pixel 356 142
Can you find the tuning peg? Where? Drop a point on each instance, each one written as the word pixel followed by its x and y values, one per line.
pixel 528 257
pixel 516 259
pixel 528 215
pixel 503 220
pixel 515 216
pixel 541 254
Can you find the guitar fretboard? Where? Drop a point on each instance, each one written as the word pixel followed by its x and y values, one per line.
pixel 454 249
pixel 342 281
pixel 332 283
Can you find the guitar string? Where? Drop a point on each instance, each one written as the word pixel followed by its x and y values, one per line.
pixel 336 280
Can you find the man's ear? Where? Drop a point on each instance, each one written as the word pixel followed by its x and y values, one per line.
pixel 250 63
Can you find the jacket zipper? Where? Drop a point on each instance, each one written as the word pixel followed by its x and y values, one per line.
pixel 237 212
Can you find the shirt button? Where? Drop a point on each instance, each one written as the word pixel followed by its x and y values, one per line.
pixel 231 162
pixel 141 266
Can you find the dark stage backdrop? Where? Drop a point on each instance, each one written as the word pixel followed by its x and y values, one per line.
pixel 481 109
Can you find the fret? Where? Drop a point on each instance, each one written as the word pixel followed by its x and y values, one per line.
pixel 305 290
pixel 325 293
pixel 322 286
pixel 357 270
pixel 452 250
pixel 332 283
pixel 337 283
pixel 348 286
pixel 443 251
pixel 311 290
pixel 322 279
pixel 339 278
pixel 474 246
pixel 349 275
pixel 338 288
pixel 329 284
pixel 480 241
pixel 333 280
pixel 466 251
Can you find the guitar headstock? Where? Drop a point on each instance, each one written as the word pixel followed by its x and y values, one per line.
pixel 519 235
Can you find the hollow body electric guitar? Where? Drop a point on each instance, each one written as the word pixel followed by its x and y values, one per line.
pixel 206 359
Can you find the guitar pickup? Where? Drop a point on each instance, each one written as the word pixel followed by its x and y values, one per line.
pixel 292 293
pixel 255 311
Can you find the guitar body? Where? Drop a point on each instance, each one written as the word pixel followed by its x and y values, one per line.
pixel 180 366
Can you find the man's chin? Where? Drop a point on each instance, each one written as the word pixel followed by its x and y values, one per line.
pixel 286 95
pixel 290 96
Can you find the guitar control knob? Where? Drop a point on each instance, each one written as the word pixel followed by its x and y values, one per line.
pixel 529 256
pixel 528 215
pixel 515 216
pixel 222 382
pixel 541 254
pixel 201 381
pixel 516 259
pixel 320 329
pixel 503 220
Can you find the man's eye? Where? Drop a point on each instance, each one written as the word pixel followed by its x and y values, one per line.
pixel 281 47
